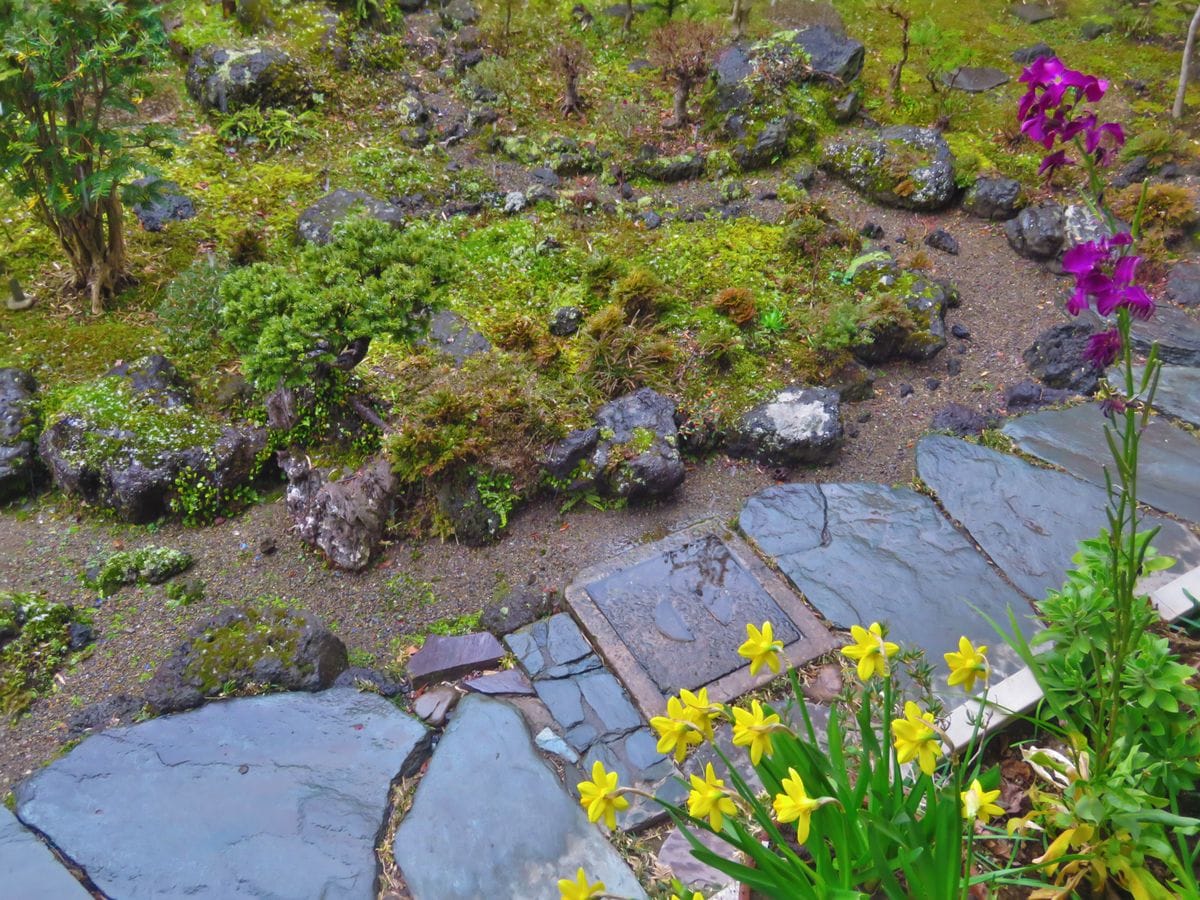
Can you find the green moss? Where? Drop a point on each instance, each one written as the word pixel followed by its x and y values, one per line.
pixel 146 565
pixel 35 642
pixel 234 650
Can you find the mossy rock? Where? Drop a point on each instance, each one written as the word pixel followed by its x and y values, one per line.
pixel 19 425
pixel 37 637
pixel 902 166
pixel 228 79
pixel 669 169
pixel 146 565
pixel 246 648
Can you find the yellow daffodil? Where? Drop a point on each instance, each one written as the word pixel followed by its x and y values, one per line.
pixel 871 650
pixel 696 895
pixel 751 728
pixel 916 738
pixel 676 731
pixel 579 889
pixel 794 805
pixel 761 648
pixel 709 797
pixel 699 711
pixel 1072 837
pixel 979 804
pixel 601 797
pixel 968 665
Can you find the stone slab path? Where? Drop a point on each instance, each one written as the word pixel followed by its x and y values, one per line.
pixel 275 796
pixel 1029 520
pixel 490 818
pixel 28 870
pixel 1073 438
pixel 1178 392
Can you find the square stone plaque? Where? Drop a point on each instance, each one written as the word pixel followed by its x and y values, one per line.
pixel 671 615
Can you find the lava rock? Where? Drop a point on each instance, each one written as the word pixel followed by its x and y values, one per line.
pixel 799 425
pixel 345 517
pixel 1027 55
pixel 472 520
pixel 669 169
pixel 901 166
pixel 923 335
pixel 831 55
pixel 1032 13
pixel 284 648
pixel 953 366
pixel 941 239
pixel 165 204
pixel 18 433
pixel 1028 395
pixel 316 224
pixel 457 13
pixel 1037 232
pixel 226 80
pixel 651 220
pixel 1080 225
pixel 906 390
pixel 1183 284
pixel 932 384
pixel 1056 358
pixel 767 148
pixel 846 107
pixel 566 321
pixel 872 231
pixel 994 197
pixel 962 420
pixel 1092 30
pixel 960 331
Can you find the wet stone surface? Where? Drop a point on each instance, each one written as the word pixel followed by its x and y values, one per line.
pixel 517 830
pixel 1178 392
pixel 1074 439
pixel 1028 520
pixel 683 613
pixel 29 868
pixel 1176 333
pixel 285 795
pixel 862 553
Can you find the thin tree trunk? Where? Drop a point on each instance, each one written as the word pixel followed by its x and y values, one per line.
pixel 1177 109
pixel 628 23
pixel 570 102
pixel 682 90
pixel 898 68
pixel 738 16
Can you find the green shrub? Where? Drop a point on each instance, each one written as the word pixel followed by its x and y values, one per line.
pixel 35 641
pixel 291 321
pixel 190 311
pixel 275 129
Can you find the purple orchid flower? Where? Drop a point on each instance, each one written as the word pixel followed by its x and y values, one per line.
pixel 1105 275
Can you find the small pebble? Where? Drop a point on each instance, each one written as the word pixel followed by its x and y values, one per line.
pixel 864 416
pixel 953 366
pixel 941 239
pixel 906 389
pixel 960 331
pixel 871 230
pixel 932 384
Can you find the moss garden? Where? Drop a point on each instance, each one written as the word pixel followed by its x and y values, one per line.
pixel 391 311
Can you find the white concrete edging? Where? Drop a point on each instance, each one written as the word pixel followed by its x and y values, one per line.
pixel 1018 693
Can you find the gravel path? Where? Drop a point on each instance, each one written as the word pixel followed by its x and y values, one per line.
pixel 1006 302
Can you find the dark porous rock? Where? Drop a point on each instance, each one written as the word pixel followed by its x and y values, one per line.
pixel 454 336
pixel 1032 13
pixel 522 607
pixel 853 382
pixel 651 220
pixel 1183 284
pixel 668 169
pixel 30 869
pixel 343 517
pixel 1092 30
pixel 529 830
pixel 923 334
pixel 1027 55
pixel 906 389
pixel 125 451
pixel 445 657
pixel 846 107
pixel 830 54
pixel 511 681
pixel 565 458
pixel 932 384
pixel 799 425
pixel 1056 358
pixel 768 147
pixel 637 456
pixel 1038 232
pixel 962 420
pixel 872 231
pixel 1029 395
pixel 111 712
pixel 731 73
pixel 283 648
pixel 316 224
pixel 457 13
pixel 370 680
pixel 994 197
pixel 18 433
pixel 941 239
pixel 901 166
pixel 976 79
pixel 539 193
pixel 1176 333
pixel 953 366
pixel 473 522
pixel 276 796
pixel 1080 225
pixel 546 176
pixel 805 175
pixel 230 79
pixel 566 321
pixel 1135 171
pixel 164 204
pixel 960 331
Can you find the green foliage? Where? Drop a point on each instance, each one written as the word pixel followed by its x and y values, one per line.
pixel 292 320
pixel 184 593
pixel 773 320
pixel 496 491
pixel 447 627
pixel 72 73
pixel 276 128
pixel 146 565
pixel 35 641
pixel 190 312
pixel 198 500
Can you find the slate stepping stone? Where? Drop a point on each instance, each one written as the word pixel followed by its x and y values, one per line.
pixel 1178 392
pixel 490 818
pixel 637 763
pixel 1074 439
pixel 976 79
pixel 553 648
pixel 1029 520
pixel 29 869
pixel 1176 333
pixel 444 657
pixel 274 796
pixel 1183 284
pixel 676 855
pixel 867 552
pixel 509 681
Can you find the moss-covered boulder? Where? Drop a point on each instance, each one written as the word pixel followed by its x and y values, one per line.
pixel 908 314
pixel 226 79
pixel 132 442
pixel 901 166
pixel 18 433
pixel 562 155
pixel 316 223
pixel 248 647
pixel 145 565
pixel 668 169
pixel 37 636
